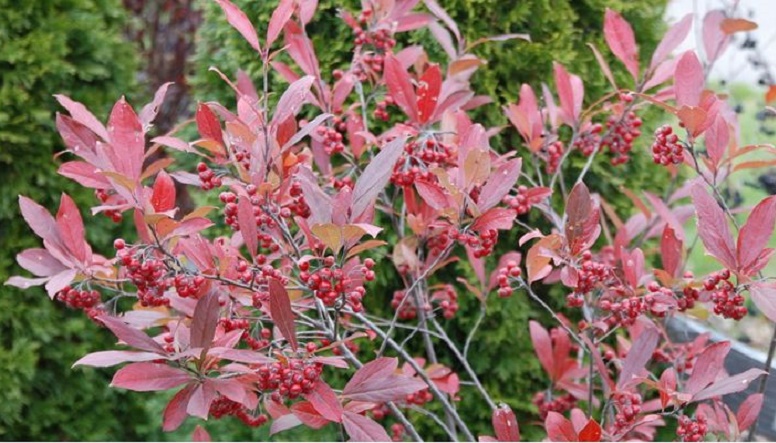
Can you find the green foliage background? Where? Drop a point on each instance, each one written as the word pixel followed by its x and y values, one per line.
pixel 75 47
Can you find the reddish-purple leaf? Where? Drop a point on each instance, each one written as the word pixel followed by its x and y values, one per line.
pixel 376 382
pixel 666 214
pixel 163 196
pixel 431 193
pixel 494 218
pixel 80 114
pixel 499 184
pixel 399 86
pixel 559 428
pixel 205 320
pixel 71 228
pixel 361 428
pixel 60 281
pixel 104 359
pixel 208 125
pixel 591 431
pixel 571 92
pixel 670 251
pixel 175 412
pixel 379 368
pixel 713 227
pixel 40 220
pixel 717 138
pixel 715 40
pixel 149 111
pixel 619 36
pixel 505 424
pixel 240 22
pixel 143 377
pixel 280 17
pixel 40 262
pixel 638 356
pixel 749 410
pixel 247 223
pixel 290 103
pixel 281 312
pixel 689 80
pixel 729 385
pixel 708 364
pixel 200 434
pixel 428 93
pixel 376 176
pixel 673 38
pixel 755 234
pixel 84 174
pixel 582 226
pixel 325 401
pixel 201 398
pixel 131 336
pixel 542 345
pixel 764 297
pixel 307 414
pixel 127 139
pixel 77 137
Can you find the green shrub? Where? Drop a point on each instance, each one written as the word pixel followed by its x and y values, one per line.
pixel 73 47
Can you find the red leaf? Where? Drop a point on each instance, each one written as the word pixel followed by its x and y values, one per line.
pixel 290 103
pixel 670 251
pixel 163 196
pixel 201 399
pixel 689 80
pixel 376 382
pixel 638 356
pixel 591 431
pixel 431 193
pixel 127 139
pixel 376 176
pixel 240 22
pixel 571 92
pixel 207 124
pixel 428 93
pixel 175 411
pixel 104 359
pixel 144 377
pixel 764 297
pixel 281 312
pixel 542 345
pixel 84 174
pixel 307 414
pixel 399 86
pixel 200 434
pixel 280 17
pixel 80 114
pixel 71 229
pixel 205 320
pixel 708 364
pixel 505 424
pixel 748 411
pixel 361 428
pixel 247 223
pixel 149 111
pixel 499 184
pixel 325 401
pixel 559 428
pixel 673 38
pixel 729 385
pixel 755 234
pixel 713 227
pixel 717 138
pixel 494 218
pixel 619 36
pixel 582 220
pixel 131 336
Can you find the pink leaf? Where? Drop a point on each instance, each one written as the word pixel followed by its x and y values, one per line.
pixel 638 356
pixel 717 139
pixel 201 398
pixel 399 86
pixel 749 410
pixel 755 234
pixel 325 401
pixel 131 336
pixel 290 103
pixel 715 40
pixel 127 139
pixel 307 414
pixel 280 17
pixel 673 38
pixel 240 22
pixel 71 228
pixel 39 219
pixel 40 262
pixel 428 93
pixel 505 424
pixel 571 92
pixel 205 320
pixel 84 174
pixel 60 281
pixel 207 124
pixel 375 382
pixel 559 428
pixel 175 411
pixel 619 36
pixel 670 251
pixel 708 364
pixel 494 218
pixel 376 176
pixel 163 196
pixel 764 297
pixel 200 434
pixel 431 193
pixel 713 227
pixel 143 377
pixel 542 345
pixel 689 80
pixel 82 115
pixel 582 226
pixel 104 359
pixel 729 385
pixel 361 428
pixel 499 184
pixel 149 111
pixel 247 223
pixel 281 312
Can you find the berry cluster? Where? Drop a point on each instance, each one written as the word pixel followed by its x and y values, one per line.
pixel 691 295
pixel 298 205
pixel 522 201
pixel 78 299
pixel 589 141
pixel 288 378
pixel 148 275
pixel 381 39
pixel 419 158
pixel 207 177
pixel 624 312
pixel 447 299
pixel 331 283
pixel 351 345
pixel 628 406
pixel 408 309
pixel 553 153
pixel 234 324
pixel 187 286
pixel 591 273
pixel 482 243
pixel 397 432
pixel 332 136
pixel 105 196
pixel 727 302
pixel 265 223
pixel 222 407
pixel 338 183
pixel 380 411
pixel 504 284
pixel 559 404
pixel 381 108
pixel 622 130
pixel 419 398
pixel 692 430
pixel 666 149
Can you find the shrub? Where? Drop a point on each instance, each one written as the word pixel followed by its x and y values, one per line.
pixel 387 162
